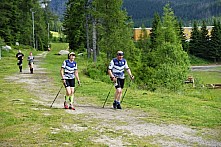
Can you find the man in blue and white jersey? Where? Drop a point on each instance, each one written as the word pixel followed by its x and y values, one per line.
pixel 68 74
pixel 116 72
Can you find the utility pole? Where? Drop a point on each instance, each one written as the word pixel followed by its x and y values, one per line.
pixel 33 26
pixel 48 37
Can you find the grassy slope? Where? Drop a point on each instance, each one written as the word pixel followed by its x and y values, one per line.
pixel 187 106
pixel 20 125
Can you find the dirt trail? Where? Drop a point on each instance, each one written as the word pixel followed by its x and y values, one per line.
pixel 127 121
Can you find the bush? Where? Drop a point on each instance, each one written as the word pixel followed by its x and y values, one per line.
pixel 167 68
pixel 98 70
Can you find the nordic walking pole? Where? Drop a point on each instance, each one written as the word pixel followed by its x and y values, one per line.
pixel 56 96
pixel 107 95
pixel 126 91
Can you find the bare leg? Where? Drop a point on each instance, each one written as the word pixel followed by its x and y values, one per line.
pixel 118 94
pixel 70 96
pixel 117 98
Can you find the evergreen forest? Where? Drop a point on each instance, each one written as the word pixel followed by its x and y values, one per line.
pixel 99 28
pixel 50 96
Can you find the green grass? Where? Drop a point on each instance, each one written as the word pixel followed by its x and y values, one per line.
pixel 207 77
pixel 21 125
pixel 54 34
pixel 186 106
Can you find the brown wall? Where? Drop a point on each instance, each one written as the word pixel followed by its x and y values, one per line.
pixel 187 32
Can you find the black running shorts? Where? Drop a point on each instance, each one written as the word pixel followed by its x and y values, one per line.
pixel 69 83
pixel 120 83
pixel 29 63
pixel 19 62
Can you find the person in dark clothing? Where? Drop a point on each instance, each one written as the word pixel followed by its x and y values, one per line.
pixel 20 57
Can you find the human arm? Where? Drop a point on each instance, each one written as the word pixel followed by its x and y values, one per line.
pixel 62 75
pixel 110 73
pixel 63 66
pixel 129 71
pixel 77 77
pixel 130 74
pixel 112 77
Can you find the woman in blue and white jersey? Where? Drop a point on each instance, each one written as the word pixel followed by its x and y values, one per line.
pixel 31 62
pixel 68 74
pixel 116 72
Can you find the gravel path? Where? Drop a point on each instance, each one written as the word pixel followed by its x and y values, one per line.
pixel 127 121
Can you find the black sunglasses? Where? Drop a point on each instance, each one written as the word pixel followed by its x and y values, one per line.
pixel 120 54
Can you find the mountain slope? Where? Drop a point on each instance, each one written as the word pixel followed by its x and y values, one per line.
pixel 142 11
pixel 58 7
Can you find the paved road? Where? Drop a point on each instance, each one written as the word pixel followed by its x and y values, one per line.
pixel 206 68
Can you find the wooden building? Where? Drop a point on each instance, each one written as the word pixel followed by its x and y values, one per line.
pixel 187 32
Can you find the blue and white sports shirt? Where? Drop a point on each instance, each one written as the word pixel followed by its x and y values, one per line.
pixel 117 67
pixel 69 69
pixel 30 59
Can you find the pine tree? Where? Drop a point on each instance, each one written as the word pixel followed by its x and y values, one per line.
pixel 170 62
pixel 155 31
pixel 25 23
pixel 144 46
pixel 74 24
pixel 185 44
pixel 16 24
pixel 194 44
pixel 204 42
pixel 215 42
pixel 41 29
pixel 113 27
pixel 6 16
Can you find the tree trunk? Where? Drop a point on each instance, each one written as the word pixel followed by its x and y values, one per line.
pixel 94 41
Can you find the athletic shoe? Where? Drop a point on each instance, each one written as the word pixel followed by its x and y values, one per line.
pixel 118 106
pixel 65 105
pixel 71 107
pixel 115 105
